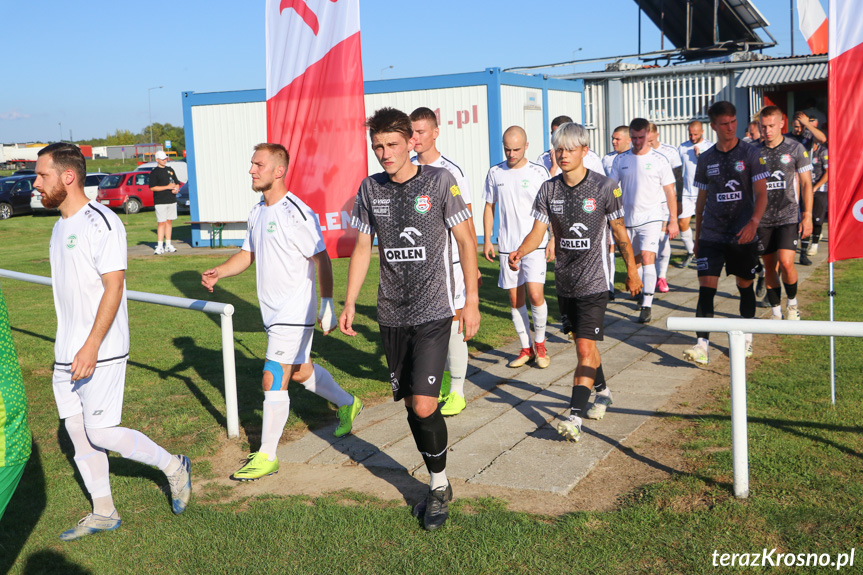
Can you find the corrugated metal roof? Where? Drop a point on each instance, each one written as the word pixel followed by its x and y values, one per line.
pixel 773 75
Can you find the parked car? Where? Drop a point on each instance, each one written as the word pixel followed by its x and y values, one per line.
pixel 180 168
pixel 183 203
pixel 25 172
pixel 91 189
pixel 129 188
pixel 15 196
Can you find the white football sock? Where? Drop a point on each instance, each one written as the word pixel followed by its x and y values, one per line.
pixel 791 301
pixel 131 444
pixel 704 343
pixel 520 321
pixel 438 480
pixel 277 408
pixel 92 464
pixel 457 360
pixel 688 242
pixel 663 257
pixel 540 319
pixel 322 383
pixel 649 284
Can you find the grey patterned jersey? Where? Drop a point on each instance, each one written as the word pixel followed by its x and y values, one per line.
pixel 411 221
pixel 819 165
pixel 727 177
pixel 783 163
pixel 579 217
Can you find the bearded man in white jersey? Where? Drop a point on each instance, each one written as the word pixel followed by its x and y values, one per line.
pixel 673 156
pixel 513 185
pixel 426 131
pixel 88 275
pixel 689 154
pixel 284 239
pixel 649 198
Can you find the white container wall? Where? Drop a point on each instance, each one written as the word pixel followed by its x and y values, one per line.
pixel 523 107
pixel 463 122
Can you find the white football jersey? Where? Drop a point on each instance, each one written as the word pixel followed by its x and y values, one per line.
pixel 671 154
pixel 514 191
pixel 84 247
pixel 607 161
pixel 283 237
pixel 689 156
pixel 641 179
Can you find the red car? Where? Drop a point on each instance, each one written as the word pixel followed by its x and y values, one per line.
pixel 129 188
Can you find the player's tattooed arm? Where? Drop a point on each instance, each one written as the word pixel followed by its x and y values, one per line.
pixel 357 270
pixel 699 210
pixel 465 237
pixel 621 238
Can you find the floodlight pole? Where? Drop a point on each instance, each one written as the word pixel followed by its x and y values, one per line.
pixel 150 112
pixel 791 13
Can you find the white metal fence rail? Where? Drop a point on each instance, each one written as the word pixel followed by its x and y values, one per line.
pixel 225 310
pixel 737 330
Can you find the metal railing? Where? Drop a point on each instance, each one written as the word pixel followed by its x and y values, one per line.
pixel 225 310
pixel 737 330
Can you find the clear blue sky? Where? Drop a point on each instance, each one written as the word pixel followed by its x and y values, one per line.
pixel 87 65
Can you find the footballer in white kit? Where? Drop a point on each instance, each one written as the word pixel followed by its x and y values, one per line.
pixel 425 133
pixel 663 257
pixel 284 239
pixel 88 276
pixel 512 185
pixel 647 183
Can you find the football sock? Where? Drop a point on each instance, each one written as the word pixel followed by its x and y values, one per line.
pixel 438 480
pixel 664 256
pixel 704 308
pixel 649 284
pixel 131 444
pixel 322 383
pixel 599 384
pixel 457 359
pixel 520 321
pixel 540 319
pixel 774 296
pixel 688 242
pixel 92 464
pixel 747 301
pixel 580 397
pixel 791 292
pixel 430 435
pixel 277 408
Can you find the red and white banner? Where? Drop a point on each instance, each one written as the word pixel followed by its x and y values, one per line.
pixel 813 24
pixel 315 107
pixel 846 108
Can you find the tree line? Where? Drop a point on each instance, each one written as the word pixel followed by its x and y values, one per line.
pixel 161 132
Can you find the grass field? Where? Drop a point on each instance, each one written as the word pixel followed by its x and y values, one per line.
pixel 102 165
pixel 805 456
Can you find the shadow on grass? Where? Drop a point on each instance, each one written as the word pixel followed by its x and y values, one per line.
pixel 247 315
pixel 23 512
pixel 52 562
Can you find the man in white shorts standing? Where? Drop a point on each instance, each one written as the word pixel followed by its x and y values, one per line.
pixel 284 240
pixel 689 153
pixel 673 156
pixel 647 182
pixel 425 126
pixel 513 184
pixel 88 271
pixel 164 184
pixel 620 143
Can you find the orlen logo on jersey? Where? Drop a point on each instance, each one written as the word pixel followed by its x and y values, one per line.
pixel 412 254
pixel 777 181
pixel 422 204
pixel 575 243
pixel 732 196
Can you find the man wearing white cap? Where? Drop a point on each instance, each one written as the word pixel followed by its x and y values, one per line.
pixel 164 184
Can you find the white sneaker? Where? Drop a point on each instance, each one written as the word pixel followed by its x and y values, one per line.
pixel 158 251
pixel 696 354
pixel 600 404
pixel 774 316
pixel 169 249
pixel 792 313
pixel 570 428
pixel 813 250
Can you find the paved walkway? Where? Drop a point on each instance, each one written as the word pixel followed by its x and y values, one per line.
pixel 506 436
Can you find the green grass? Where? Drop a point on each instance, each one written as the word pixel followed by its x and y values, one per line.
pixel 805 456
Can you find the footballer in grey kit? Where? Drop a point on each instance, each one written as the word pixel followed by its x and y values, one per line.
pixel 414 211
pixel 732 196
pixel 788 164
pixel 579 205
pixel 416 258
pixel 820 173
